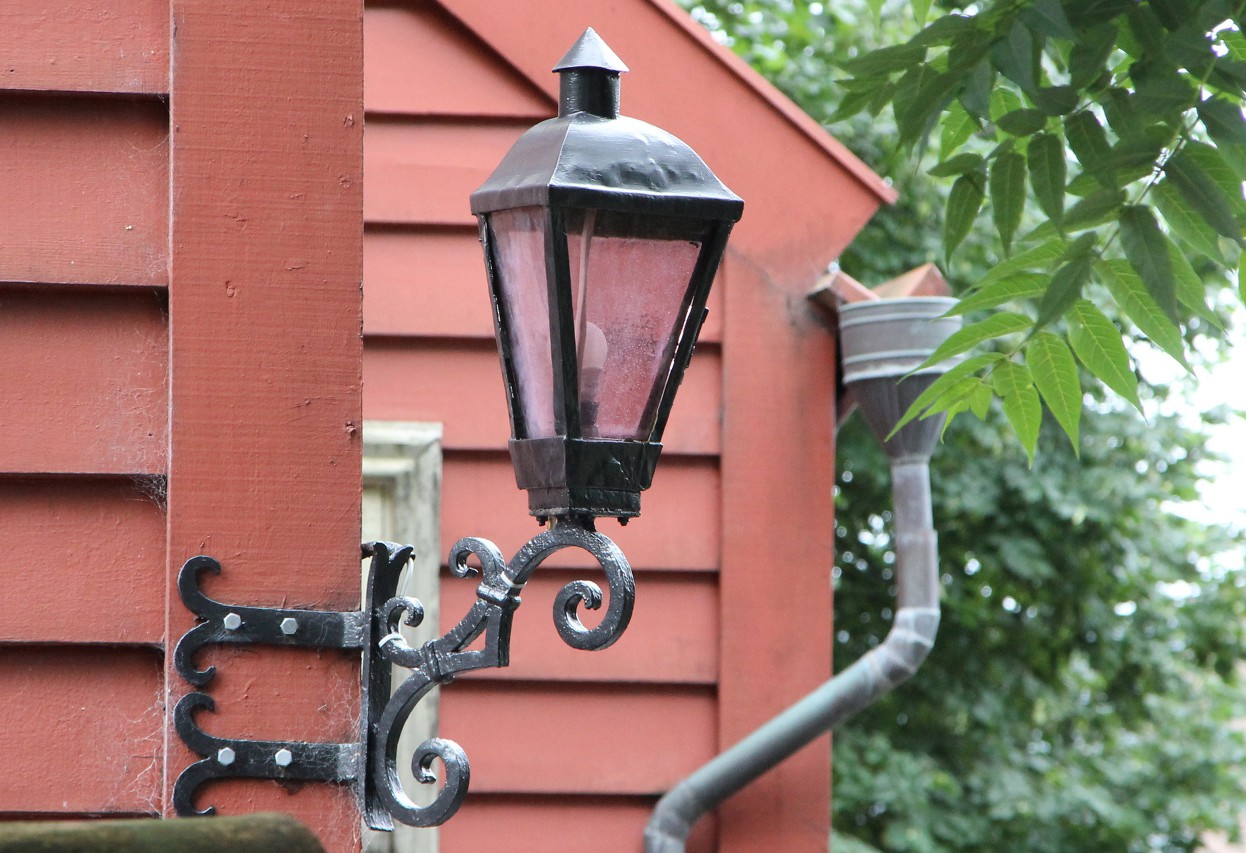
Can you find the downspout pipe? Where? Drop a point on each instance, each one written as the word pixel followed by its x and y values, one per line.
pixel 882 342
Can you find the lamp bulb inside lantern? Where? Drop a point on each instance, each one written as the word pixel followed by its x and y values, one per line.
pixel 592 361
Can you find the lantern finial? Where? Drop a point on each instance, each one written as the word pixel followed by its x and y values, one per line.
pixel 589 78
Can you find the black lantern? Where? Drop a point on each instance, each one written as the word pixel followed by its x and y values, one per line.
pixel 601 235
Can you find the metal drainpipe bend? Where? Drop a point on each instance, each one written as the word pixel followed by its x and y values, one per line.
pixel 877 672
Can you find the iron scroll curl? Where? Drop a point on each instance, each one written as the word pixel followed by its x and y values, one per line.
pixel 438 661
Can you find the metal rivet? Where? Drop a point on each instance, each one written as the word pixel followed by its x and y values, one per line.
pixel 225 756
pixel 283 757
pixel 232 621
pixel 289 625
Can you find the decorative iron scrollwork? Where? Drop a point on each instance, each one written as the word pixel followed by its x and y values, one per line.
pixel 372 763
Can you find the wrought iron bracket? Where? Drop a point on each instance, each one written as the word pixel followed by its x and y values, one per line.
pixel 370 764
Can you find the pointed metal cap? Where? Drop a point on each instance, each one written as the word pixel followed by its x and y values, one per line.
pixel 590 51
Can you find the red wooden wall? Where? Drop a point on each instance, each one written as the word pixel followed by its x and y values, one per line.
pixel 180 258
pixel 733 551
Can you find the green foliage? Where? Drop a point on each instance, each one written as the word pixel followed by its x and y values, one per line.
pixel 1081 692
pixel 1114 126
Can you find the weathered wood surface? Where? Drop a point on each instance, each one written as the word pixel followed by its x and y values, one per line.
pixel 264 308
pixel 85 375
pixel 85 188
pixel 86 46
pixel 259 833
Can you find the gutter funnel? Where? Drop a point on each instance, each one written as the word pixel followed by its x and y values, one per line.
pixel 882 342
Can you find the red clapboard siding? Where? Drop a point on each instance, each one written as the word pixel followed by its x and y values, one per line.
pixel 86 46
pixel 67 541
pixel 422 172
pixel 86 195
pixel 85 381
pixel 678 528
pixel 83 728
pixel 419 61
pixel 459 383
pixel 560 824
pixel 579 739
pixel 431 281
pixel 672 638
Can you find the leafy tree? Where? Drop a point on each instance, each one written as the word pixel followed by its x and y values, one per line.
pixel 1080 693
pixel 1104 142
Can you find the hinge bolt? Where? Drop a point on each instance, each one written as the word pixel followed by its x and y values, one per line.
pixel 232 621
pixel 283 757
pixel 289 625
pixel 225 756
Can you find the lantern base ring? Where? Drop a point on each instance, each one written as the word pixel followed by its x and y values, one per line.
pixel 371 764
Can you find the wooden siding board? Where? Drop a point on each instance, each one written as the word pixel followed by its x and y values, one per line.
pixel 86 46
pixel 83 729
pixel 559 824
pixel 430 282
pixel 265 315
pixel 778 549
pixel 678 529
pixel 672 638
pixel 578 739
pixel 75 540
pixel 421 172
pixel 85 376
pixel 459 383
pixel 83 190
pixel 419 61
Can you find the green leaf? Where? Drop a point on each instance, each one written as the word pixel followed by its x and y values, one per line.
pixel 1162 91
pixel 1055 100
pixel 1047 17
pixel 1089 143
pixel 968 367
pixel 1241 277
pixel 1212 161
pixel 958 126
pixel 976 96
pixel 980 400
pixel 1223 120
pixel 885 60
pixel 1007 185
pixel 1009 377
pixel 994 326
pixel 963 204
pixel 917 108
pixel 1041 257
pixel 1066 286
pixel 1020 286
pixel 1147 250
pixel 1101 205
pixel 1047 173
pixel 1131 295
pixel 1022 122
pixel 921 8
pixel 958 165
pixel 1055 375
pixel 1025 413
pixel 1184 222
pixel 1013 55
pixel 1090 53
pixel 1099 345
pixel 1191 290
pixel 1003 101
pixel 1203 194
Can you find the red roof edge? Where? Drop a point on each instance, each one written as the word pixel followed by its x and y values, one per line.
pixel 780 102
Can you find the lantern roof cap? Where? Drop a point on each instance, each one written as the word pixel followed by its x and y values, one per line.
pixel 590 51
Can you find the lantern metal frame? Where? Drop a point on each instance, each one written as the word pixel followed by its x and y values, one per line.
pixel 591 158
pixel 588 157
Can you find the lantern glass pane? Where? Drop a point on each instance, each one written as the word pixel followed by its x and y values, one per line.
pixel 630 276
pixel 519 253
